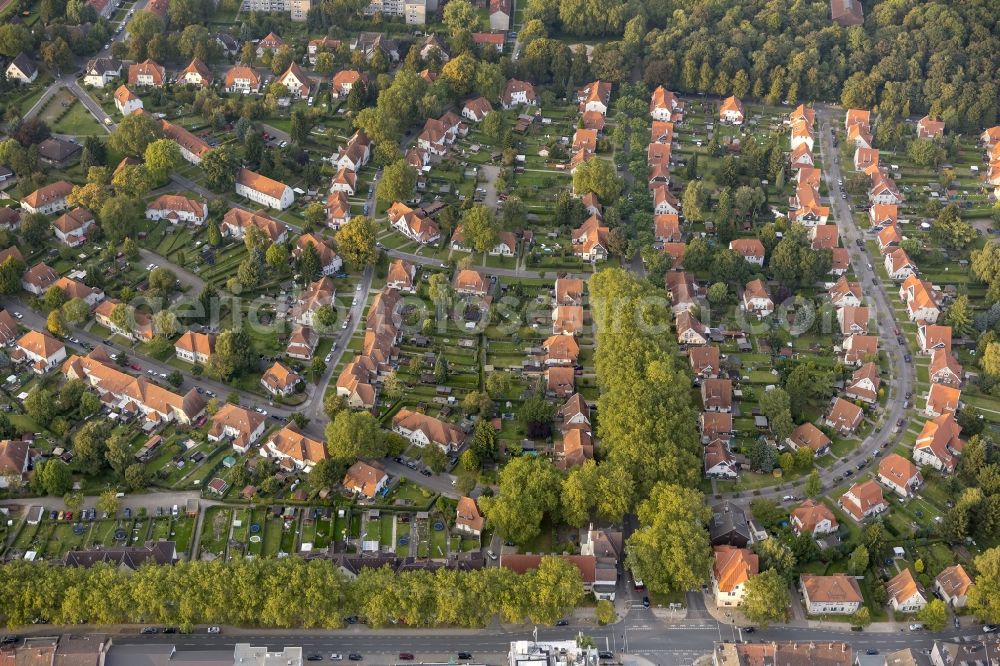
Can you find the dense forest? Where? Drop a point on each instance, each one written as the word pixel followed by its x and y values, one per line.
pixel 910 57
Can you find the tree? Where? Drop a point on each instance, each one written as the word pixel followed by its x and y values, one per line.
pixel 76 311
pixel 135 132
pixel 220 166
pixel 15 38
pixel 485 443
pixel 162 157
pixel 233 355
pixel 693 201
pixel 670 551
pixel 34 229
pixel 314 214
pixel 353 435
pixel 862 617
pixel 989 363
pixel 118 216
pixel 858 563
pixel 606 612
pixel 460 74
pixel 118 453
pixel 535 416
pixel 481 228
pixel 398 182
pixel 873 538
pixel 90 444
pixel 814 486
pixel 934 615
pixel 598 176
pixel 776 406
pixel 299 130
pixel 276 256
pixel 556 589
pixel 73 501
pixel 766 598
pixel 984 596
pixel 332 405
pixel 55 325
pixel 41 406
pixel 434 458
pixel 56 477
pixel 356 242
pixel 529 488
pixel 11 271
pixel 175 379
pixel 951 230
pixel 136 477
pixel 959 315
pixel 108 502
pixel 777 556
pixel 459 15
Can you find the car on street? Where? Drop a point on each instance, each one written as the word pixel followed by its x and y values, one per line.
pixel 871 651
pixel 19 315
pixel 426 472
pixel 645 602
pixel 749 630
pixel 562 623
pixel 336 656
pixel 314 657
pixel 405 656
pixel 329 357
pixel 354 656
pixel 149 630
pixel 214 630
pixel 606 654
pixel 135 366
pixel 916 626
pixel 465 655
pixel 492 555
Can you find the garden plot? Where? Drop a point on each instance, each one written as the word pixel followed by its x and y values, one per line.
pixel 215 531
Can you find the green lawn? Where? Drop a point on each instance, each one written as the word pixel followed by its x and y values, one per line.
pixel 78 122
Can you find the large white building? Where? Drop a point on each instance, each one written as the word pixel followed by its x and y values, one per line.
pixel 551 653
pixel 297 9
pixel 414 11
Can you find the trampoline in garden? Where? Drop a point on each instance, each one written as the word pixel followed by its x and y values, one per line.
pixel 254 528
pixel 120 534
pixel 79 529
pixel 255 539
pixel 403 541
pixel 438 526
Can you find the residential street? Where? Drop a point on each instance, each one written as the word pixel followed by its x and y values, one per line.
pixel 902 373
pixel 36 321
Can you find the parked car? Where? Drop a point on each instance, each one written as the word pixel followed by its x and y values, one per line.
pixel 562 623
pixel 606 654
pixel 465 655
pixel 354 656
pixel 645 602
pixel 990 628
pixel 916 626
pixel 214 630
pixel 406 656
pixel 149 630
pixel 336 656
pixel 314 657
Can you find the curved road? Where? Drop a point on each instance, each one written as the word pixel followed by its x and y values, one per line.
pixel 902 378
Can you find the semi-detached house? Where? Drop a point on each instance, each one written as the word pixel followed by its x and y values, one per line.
pixel 421 429
pixel 242 426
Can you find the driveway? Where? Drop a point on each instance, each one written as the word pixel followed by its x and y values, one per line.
pixel 188 280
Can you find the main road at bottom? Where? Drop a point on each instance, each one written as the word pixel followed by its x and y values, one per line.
pixel 642 635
